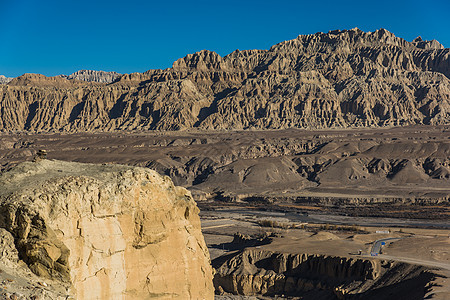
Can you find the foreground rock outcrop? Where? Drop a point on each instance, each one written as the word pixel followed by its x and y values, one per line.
pixel 105 231
pixel 343 78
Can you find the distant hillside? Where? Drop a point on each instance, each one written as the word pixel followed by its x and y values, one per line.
pixel 335 79
pixel 93 76
pixel 4 80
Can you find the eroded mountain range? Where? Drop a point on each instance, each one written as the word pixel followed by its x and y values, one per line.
pixel 107 231
pixel 93 76
pixel 346 78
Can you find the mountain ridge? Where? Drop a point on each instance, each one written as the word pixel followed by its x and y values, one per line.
pixel 93 76
pixel 343 78
pixel 4 79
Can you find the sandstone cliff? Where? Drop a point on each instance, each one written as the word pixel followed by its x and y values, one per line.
pixel 335 79
pixel 106 231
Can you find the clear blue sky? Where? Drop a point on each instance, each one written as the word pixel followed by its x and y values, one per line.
pixel 60 37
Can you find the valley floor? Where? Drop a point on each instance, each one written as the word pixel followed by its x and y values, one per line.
pixel 426 247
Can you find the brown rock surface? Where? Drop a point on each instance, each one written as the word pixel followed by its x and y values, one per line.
pixel 347 78
pixel 107 231
pixel 312 276
pixel 16 279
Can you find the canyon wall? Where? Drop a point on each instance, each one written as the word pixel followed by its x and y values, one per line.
pixel 314 276
pixel 347 78
pixel 106 231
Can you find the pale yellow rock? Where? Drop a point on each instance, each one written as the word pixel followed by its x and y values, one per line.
pixel 113 232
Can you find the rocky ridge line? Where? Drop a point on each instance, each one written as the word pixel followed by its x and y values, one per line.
pixel 93 76
pixel 343 78
pixel 4 79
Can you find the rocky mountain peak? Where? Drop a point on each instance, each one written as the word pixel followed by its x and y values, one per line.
pixel 4 79
pixel 202 61
pixel 343 78
pixel 433 44
pixel 31 79
pixel 94 76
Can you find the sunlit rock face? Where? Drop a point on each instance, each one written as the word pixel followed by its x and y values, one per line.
pixel 343 78
pixel 110 232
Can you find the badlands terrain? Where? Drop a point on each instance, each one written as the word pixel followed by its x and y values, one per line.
pixel 291 260
pixel 303 159
pixel 397 172
pixel 346 78
pixel 306 206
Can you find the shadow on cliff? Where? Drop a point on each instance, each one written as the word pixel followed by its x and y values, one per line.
pixel 241 241
pixel 32 110
pixel 205 112
pixel 411 289
pixel 266 273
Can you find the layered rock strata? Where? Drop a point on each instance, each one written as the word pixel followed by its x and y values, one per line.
pixel 106 231
pixel 347 78
pixel 261 272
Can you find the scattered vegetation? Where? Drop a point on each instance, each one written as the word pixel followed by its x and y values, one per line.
pixel 352 228
pixel 324 227
pixel 275 224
